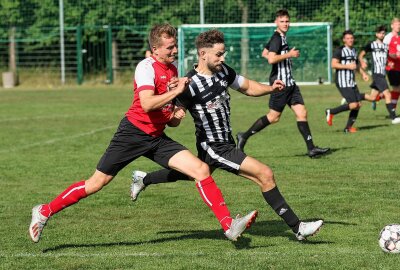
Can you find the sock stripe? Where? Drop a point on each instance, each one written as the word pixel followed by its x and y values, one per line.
pixel 72 190
pixel 203 194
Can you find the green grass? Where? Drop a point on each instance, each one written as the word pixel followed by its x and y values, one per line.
pixel 50 139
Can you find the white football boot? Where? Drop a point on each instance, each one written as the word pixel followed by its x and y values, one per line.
pixel 396 121
pixel 239 224
pixel 37 223
pixel 308 229
pixel 137 184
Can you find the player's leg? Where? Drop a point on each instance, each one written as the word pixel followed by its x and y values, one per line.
pixel 390 107
pixel 394 80
pixel 263 176
pixel 330 113
pixel 171 154
pixel 277 103
pixel 300 112
pixel 124 148
pixel 354 109
pixel 371 96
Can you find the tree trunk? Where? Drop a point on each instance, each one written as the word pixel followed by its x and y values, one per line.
pixel 244 41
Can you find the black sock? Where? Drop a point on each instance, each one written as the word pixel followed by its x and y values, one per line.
pixel 258 125
pixel 352 118
pixel 164 176
pixel 277 202
pixel 392 110
pixel 339 109
pixel 305 131
pixel 362 96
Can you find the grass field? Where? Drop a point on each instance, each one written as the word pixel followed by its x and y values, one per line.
pixel 50 139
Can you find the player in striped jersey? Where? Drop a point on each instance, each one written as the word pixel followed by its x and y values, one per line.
pixel 208 101
pixel 379 51
pixel 279 54
pixel 345 60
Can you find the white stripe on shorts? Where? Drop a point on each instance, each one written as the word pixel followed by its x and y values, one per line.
pixel 220 159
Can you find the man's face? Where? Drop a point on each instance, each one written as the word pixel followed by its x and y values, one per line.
pixel 396 26
pixel 348 40
pixel 282 23
pixel 380 35
pixel 167 51
pixel 214 57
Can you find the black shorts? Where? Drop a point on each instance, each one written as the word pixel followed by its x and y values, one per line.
pixel 351 94
pixel 221 155
pixel 379 82
pixel 394 77
pixel 289 96
pixel 129 143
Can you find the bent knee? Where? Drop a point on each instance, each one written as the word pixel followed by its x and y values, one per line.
pixel 266 177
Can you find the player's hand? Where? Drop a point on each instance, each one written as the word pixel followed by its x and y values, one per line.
pixel 278 85
pixel 182 84
pixel 173 83
pixel 365 77
pixel 363 64
pixel 294 53
pixel 179 113
pixel 352 66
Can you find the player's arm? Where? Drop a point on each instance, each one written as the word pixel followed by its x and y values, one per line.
pixel 177 116
pixel 264 53
pixel 361 56
pixel 335 63
pixel 274 58
pixel 256 89
pixel 151 102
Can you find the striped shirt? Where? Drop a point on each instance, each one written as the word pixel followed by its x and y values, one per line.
pixel 208 101
pixel 345 77
pixel 379 52
pixel 283 69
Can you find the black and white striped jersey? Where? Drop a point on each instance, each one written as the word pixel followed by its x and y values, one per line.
pixel 282 70
pixel 379 52
pixel 345 77
pixel 208 101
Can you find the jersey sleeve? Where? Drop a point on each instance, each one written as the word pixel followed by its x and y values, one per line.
pixel 337 54
pixel 184 99
pixel 231 74
pixel 368 47
pixel 275 44
pixel 267 45
pixel 144 76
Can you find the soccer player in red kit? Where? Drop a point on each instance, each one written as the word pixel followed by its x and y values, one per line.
pixel 141 133
pixel 393 63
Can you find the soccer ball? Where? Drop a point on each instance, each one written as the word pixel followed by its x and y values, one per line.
pixel 389 238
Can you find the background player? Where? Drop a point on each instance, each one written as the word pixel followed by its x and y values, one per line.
pixel 279 54
pixel 208 101
pixel 379 52
pixel 344 60
pixel 141 133
pixel 393 64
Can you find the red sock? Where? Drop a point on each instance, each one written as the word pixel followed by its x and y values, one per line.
pixel 395 97
pixel 212 196
pixel 70 196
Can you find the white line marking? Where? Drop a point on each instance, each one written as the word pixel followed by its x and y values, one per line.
pixel 14 149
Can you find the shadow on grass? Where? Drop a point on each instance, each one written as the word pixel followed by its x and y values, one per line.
pixel 333 150
pixel 272 228
pixel 372 127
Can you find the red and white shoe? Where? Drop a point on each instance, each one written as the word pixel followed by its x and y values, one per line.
pixel 350 130
pixel 329 117
pixel 239 224
pixel 37 223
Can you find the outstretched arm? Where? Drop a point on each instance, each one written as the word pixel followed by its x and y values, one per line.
pixel 253 88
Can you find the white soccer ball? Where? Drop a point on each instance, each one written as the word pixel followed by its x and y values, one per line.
pixel 389 238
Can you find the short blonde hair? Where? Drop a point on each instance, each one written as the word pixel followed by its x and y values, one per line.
pixel 157 32
pixel 395 20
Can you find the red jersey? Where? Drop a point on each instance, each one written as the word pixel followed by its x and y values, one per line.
pixel 394 47
pixel 151 75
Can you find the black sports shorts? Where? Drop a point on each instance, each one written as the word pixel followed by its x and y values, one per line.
pixel 221 155
pixel 351 94
pixel 394 77
pixel 288 96
pixel 379 82
pixel 129 143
